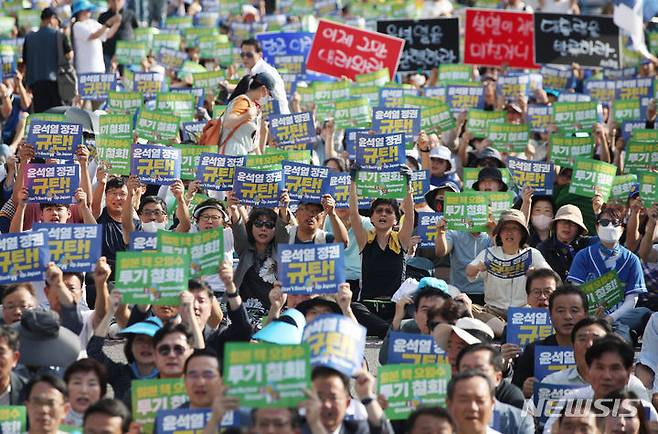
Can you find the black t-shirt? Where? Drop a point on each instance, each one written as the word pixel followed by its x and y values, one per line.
pixel 125 32
pixel 524 367
pixel 112 237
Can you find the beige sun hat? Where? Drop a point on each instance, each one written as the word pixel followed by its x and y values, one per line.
pixel 570 213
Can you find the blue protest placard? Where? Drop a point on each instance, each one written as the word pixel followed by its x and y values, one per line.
pixel 292 128
pixel 143 241
pixel 284 43
pixel 397 120
pixel 311 268
pixel 549 359
pixel 189 420
pixel 413 348
pixel 526 325
pixel 75 248
pixel 304 181
pixel 54 139
pixel 627 128
pixel 426 228
pixel 508 268
pixel 539 117
pixel 257 187
pixel 336 342
pixel 536 174
pixel 628 88
pixel 54 183
pixel 390 97
pixel 350 140
pixel 338 186
pixel 23 256
pixel 380 151
pixel 420 182
pixel 148 83
pixel 547 399
pixel 198 93
pixel 96 86
pixel 192 130
pixel 156 164
pixel 461 98
pixel 216 171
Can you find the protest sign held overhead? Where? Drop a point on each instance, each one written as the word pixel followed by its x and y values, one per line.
pixel 216 171
pixel 311 269
pixel 339 50
pixel 256 187
pixel 205 249
pixel 54 139
pixel 380 151
pixel 427 42
pixel 155 164
pixel 54 183
pixel 73 247
pixel 303 181
pixel 151 279
pixel 23 257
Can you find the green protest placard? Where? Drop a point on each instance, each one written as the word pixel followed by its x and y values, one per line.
pixel 649 187
pixel 145 35
pixel 592 176
pixel 406 387
pixel 414 101
pixel 605 291
pixel 327 91
pixel 370 92
pixel 124 101
pixel 478 120
pixel 117 125
pixel 376 78
pixel 7 26
pixel 298 155
pixel 389 185
pixel 13 419
pixel 449 73
pixel 178 22
pixel 622 186
pixel 191 35
pixel 151 279
pixel 653 42
pixel 645 135
pixel 498 202
pixel 205 249
pixel 155 126
pixel 208 80
pixel 130 52
pixel 50 117
pixel 512 137
pixel 149 396
pixel 113 152
pixel 165 40
pixel 565 149
pixel 352 113
pixel 191 154
pixel 267 375
pixel 640 156
pixel 270 161
pixel 471 175
pixel 437 118
pixel 572 115
pixel 181 104
pixel 28 18
pixel 466 211
pixel 626 110
pixel 213 47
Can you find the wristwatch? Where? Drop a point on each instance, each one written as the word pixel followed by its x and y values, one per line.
pixel 368 400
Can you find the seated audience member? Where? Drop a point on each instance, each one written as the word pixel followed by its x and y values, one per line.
pixel 501 293
pixel 46 404
pixel 625 414
pixel 107 416
pixel 647 363
pixel 568 237
pixel 576 421
pixel 202 378
pixel 173 345
pixel 16 299
pixel 86 382
pixel 607 255
pixel 470 400
pixel 567 305
pixel 453 338
pixel 540 284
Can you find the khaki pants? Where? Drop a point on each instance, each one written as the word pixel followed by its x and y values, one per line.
pixel 494 317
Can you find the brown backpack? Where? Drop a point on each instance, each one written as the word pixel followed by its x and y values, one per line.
pixel 212 132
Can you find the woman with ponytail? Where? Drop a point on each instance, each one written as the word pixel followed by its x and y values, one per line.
pixel 241 122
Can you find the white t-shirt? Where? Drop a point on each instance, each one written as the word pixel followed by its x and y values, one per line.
pixel 89 53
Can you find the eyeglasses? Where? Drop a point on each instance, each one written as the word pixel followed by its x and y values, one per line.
pixel 153 213
pixel 210 218
pixel 247 54
pixel 206 375
pixel 164 350
pixel 606 222
pixel 546 292
pixel 267 224
pixel 17 306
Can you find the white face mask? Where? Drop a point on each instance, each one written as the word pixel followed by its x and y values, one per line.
pixel 609 234
pixel 541 221
pixel 153 226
